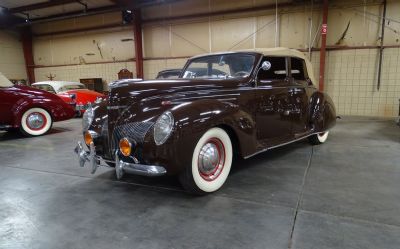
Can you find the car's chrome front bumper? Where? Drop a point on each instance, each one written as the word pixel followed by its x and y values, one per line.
pixel 121 167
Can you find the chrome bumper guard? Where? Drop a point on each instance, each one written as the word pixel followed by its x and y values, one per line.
pixel 121 167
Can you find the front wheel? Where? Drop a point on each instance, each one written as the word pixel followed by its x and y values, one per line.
pixel 36 122
pixel 319 138
pixel 211 163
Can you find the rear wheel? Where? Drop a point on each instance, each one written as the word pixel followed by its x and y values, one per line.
pixel 211 163
pixel 35 122
pixel 319 138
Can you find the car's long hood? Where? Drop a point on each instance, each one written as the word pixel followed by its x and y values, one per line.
pixel 26 91
pixel 127 91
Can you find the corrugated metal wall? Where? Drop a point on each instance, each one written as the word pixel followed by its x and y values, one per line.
pixel 167 43
pixel 12 63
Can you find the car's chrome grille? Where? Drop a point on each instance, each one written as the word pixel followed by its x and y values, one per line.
pixel 104 134
pixel 135 131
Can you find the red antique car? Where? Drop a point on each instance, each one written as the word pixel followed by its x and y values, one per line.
pixel 73 93
pixel 31 110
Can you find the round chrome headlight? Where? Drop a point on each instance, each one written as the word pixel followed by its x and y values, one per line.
pixel 87 118
pixel 163 127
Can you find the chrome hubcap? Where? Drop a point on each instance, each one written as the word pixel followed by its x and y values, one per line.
pixel 36 121
pixel 211 159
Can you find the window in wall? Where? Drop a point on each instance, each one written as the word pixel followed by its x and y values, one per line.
pixel 298 69
pixel 276 72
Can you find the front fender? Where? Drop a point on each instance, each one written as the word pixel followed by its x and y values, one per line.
pixel 199 116
pixel 192 120
pixel 322 112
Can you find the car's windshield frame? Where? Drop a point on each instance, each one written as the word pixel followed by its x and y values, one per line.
pixel 198 58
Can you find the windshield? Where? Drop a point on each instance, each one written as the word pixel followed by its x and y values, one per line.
pixel 71 87
pixel 220 66
pixel 4 82
pixel 173 74
pixel 47 88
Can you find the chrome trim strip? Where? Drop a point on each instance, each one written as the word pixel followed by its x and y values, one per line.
pixel 116 107
pixel 5 127
pixel 283 144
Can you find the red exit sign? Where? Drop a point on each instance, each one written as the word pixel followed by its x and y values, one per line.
pixel 324 29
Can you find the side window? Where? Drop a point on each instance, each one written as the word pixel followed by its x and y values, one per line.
pixel 47 88
pixel 277 71
pixel 298 69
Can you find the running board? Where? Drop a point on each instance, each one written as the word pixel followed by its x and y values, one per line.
pixel 283 144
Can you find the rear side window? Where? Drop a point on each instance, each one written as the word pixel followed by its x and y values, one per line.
pixel 277 70
pixel 298 69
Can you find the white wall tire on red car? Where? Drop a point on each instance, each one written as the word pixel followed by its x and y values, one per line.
pixel 36 122
pixel 211 163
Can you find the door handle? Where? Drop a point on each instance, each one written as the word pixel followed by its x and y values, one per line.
pixel 296 90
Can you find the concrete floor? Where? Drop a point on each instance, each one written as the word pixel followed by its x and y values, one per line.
pixel 343 194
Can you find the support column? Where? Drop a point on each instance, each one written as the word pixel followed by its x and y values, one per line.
pixel 27 46
pixel 381 46
pixel 322 53
pixel 137 31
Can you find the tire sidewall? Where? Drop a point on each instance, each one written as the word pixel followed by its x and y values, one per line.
pixel 200 182
pixel 28 131
pixel 322 138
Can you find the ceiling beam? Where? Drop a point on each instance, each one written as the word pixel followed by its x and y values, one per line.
pixel 41 5
pixel 221 12
pixel 89 12
pixel 137 4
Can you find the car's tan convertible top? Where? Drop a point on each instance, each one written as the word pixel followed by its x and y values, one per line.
pixel 4 82
pixel 281 51
pixel 278 51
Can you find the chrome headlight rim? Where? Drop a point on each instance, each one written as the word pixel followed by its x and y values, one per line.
pixel 156 129
pixel 87 118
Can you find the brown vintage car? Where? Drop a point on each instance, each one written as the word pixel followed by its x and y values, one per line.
pixel 244 102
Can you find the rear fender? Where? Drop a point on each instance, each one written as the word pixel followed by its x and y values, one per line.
pixel 322 112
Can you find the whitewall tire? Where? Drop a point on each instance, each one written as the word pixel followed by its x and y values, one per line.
pixel 36 122
pixel 211 163
pixel 319 138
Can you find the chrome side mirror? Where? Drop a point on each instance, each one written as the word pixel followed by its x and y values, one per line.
pixel 266 65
